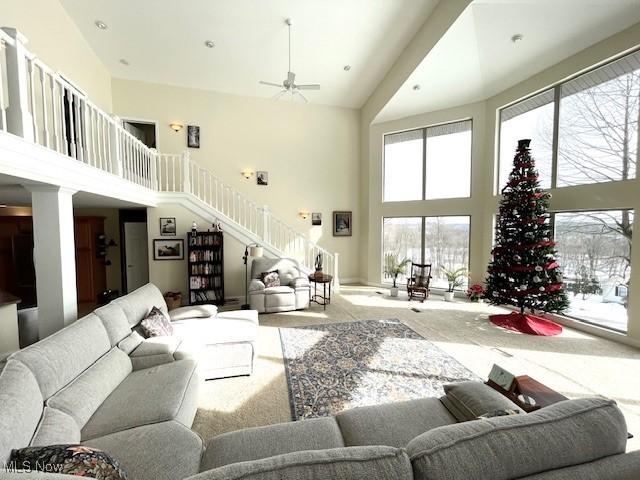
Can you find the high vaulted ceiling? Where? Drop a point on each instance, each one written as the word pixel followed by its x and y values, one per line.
pixel 164 42
pixel 476 58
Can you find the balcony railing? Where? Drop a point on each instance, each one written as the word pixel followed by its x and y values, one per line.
pixel 41 106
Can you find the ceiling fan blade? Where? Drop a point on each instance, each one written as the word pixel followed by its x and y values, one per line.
pixel 279 94
pixel 296 92
pixel 271 84
pixel 313 86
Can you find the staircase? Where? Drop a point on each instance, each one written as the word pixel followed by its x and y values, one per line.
pixel 43 108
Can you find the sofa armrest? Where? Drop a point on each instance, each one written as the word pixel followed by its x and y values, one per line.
pixel 299 282
pixel 193 311
pixel 256 285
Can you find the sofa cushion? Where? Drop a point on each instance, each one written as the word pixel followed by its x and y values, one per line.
pixel 471 400
pixel 56 427
pixel 566 433
pixel 165 392
pixel 161 451
pixel 129 343
pixel 371 425
pixel 138 304
pixel 218 330
pixel 157 346
pixel 616 467
pixel 262 442
pixel 114 321
pixel 20 407
pixel 82 397
pixel 352 463
pixel 193 311
pixel 58 359
pixel 280 290
pixel 156 324
pixel 68 459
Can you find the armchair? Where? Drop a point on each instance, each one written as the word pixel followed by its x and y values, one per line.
pixel 292 294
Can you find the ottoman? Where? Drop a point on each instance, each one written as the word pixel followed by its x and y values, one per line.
pixel 224 346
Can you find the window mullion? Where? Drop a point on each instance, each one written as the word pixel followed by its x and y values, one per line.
pixel 424 243
pixel 424 164
pixel 556 136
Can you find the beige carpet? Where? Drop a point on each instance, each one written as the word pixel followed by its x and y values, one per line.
pixel 574 363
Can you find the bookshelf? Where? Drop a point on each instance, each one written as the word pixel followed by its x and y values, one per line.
pixel 206 268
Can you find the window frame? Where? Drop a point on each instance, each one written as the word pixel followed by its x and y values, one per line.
pixel 424 160
pixel 557 96
pixel 552 221
pixel 423 218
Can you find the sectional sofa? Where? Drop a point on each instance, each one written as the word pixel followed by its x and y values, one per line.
pixel 85 384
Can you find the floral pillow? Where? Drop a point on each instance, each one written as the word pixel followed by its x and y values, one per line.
pixel 156 324
pixel 270 279
pixel 78 460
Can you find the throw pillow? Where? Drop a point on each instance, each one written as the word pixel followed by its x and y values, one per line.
pixel 74 459
pixel 499 413
pixel 156 324
pixel 270 279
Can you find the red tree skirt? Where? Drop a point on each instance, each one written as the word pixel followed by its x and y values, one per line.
pixel 526 324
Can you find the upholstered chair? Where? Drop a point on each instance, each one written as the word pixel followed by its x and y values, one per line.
pixel 291 294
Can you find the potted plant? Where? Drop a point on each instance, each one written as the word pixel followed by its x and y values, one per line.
pixel 393 267
pixel 475 293
pixel 455 278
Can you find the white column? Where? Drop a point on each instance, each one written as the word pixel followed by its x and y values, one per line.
pixel 265 224
pixel 54 257
pixel 19 118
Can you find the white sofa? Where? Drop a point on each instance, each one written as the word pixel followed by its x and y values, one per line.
pixel 292 294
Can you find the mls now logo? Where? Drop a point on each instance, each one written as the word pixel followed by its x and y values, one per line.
pixel 28 467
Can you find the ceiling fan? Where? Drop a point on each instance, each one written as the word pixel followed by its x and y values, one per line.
pixel 289 84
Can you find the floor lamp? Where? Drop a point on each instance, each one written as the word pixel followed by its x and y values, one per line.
pixel 255 251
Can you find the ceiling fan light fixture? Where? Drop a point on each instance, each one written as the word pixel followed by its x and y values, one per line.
pixel 209 44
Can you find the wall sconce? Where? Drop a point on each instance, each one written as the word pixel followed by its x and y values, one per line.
pixel 304 214
pixel 176 127
pixel 247 173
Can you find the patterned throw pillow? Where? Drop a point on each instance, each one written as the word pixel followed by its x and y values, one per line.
pixel 74 459
pixel 270 279
pixel 499 413
pixel 156 324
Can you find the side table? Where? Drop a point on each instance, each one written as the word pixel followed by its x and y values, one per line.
pixel 325 280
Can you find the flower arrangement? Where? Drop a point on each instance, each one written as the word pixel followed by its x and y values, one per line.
pixel 475 292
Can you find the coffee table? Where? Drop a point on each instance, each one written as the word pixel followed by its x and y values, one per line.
pixel 324 279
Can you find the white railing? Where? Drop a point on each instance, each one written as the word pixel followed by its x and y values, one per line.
pixel 43 107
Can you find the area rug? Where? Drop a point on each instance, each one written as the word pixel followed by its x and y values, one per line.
pixel 334 367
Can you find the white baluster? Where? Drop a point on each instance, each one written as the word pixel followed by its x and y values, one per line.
pixel 53 85
pixel 3 107
pixel 45 116
pixel 18 117
pixel 32 85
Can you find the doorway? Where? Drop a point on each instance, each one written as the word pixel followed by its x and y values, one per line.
pixel 135 251
pixel 143 130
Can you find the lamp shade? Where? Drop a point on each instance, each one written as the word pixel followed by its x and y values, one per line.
pixel 256 251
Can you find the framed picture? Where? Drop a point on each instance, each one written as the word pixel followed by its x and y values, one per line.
pixel 164 249
pixel 193 136
pixel 316 218
pixel 262 178
pixel 168 226
pixel 342 224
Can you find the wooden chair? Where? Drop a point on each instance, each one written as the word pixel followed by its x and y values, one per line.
pixel 418 282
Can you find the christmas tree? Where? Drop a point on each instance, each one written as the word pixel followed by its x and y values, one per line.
pixel 524 271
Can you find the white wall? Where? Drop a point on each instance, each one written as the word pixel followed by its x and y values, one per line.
pixel 55 39
pixel 311 152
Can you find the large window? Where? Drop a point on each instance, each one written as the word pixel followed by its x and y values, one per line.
pixel 440 241
pixel 429 163
pixel 594 250
pixel 583 131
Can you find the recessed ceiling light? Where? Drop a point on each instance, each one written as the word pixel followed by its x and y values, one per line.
pixel 209 44
pixel 416 87
pixel 517 37
pixel 346 68
pixel 101 25
pixel 124 62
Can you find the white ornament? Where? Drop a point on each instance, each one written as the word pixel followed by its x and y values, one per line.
pixel 537 279
pixel 538 268
pixel 523 287
pixel 541 289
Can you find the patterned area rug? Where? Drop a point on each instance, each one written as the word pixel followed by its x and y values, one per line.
pixel 338 366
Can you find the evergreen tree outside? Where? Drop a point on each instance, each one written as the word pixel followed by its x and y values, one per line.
pixel 524 271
